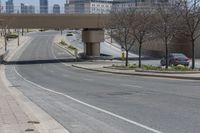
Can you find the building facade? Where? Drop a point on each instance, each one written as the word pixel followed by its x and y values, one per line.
pixel 56 9
pixel 44 6
pixel 90 6
pixel 67 6
pixel 27 9
pixel 125 4
pixel 9 6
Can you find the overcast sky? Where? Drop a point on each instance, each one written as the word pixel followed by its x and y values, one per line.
pixel 35 2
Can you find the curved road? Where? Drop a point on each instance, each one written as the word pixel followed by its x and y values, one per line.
pixel 90 102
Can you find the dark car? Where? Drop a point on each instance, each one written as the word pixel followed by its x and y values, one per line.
pixel 176 59
pixel 69 34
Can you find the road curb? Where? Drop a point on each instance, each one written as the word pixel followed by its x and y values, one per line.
pixel 139 74
pixel 70 52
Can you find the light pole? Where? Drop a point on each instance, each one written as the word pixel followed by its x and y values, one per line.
pixel 18 37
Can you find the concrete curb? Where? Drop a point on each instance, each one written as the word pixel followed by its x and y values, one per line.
pixel 69 51
pixel 47 123
pixel 140 74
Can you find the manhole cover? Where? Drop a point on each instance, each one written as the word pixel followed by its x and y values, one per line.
pixel 34 122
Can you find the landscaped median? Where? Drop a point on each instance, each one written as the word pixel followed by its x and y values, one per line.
pixel 145 71
pixel 70 49
pixel 179 69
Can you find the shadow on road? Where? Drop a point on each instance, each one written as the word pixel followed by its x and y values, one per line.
pixel 29 62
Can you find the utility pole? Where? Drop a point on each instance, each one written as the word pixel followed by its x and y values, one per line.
pixel 111 36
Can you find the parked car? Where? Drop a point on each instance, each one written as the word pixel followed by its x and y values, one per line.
pixel 69 34
pixel 176 59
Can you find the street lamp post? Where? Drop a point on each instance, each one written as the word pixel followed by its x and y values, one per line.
pixel 18 37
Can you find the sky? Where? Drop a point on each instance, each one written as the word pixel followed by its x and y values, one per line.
pixel 35 2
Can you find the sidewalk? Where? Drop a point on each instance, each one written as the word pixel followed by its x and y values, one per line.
pixel 101 67
pixel 18 114
pixel 12 117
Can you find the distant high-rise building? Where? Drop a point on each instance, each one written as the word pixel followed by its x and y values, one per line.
pixel 27 8
pixel 31 9
pixel 43 6
pixel 0 6
pixel 24 8
pixel 67 6
pixel 56 9
pixel 9 6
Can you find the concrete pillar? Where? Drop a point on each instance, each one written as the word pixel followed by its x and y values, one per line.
pixel 92 49
pixel 92 39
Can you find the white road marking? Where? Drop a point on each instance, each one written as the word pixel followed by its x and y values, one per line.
pixel 134 86
pixel 91 106
pixel 86 79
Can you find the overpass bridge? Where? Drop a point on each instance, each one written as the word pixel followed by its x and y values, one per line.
pixel 92 25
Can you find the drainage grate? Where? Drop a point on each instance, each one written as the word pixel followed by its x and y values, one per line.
pixel 29 130
pixel 119 93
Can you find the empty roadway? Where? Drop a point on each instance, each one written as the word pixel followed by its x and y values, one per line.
pixel 91 102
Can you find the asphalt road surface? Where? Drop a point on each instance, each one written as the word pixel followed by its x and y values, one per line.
pixel 91 102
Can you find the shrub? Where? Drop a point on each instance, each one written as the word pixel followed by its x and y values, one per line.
pixel 72 47
pixel 181 68
pixel 133 66
pixel 63 42
pixel 151 67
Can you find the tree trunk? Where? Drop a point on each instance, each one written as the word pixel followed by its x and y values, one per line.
pixel 126 58
pixel 5 39
pixel 140 50
pixel 166 54
pixel 111 37
pixel 193 55
pixel 22 31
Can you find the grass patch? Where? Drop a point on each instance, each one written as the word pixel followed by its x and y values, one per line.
pixel 68 46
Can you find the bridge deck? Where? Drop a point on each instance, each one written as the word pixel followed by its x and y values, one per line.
pixel 77 21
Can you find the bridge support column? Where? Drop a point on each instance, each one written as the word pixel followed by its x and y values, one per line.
pixel 92 39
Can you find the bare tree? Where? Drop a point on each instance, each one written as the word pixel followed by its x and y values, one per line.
pixel 165 26
pixel 4 28
pixel 121 22
pixel 190 15
pixel 141 27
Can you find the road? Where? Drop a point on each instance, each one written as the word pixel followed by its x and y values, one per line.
pixel 90 102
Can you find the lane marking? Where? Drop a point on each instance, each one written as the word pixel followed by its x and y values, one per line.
pixel 134 86
pixel 86 79
pixel 90 106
